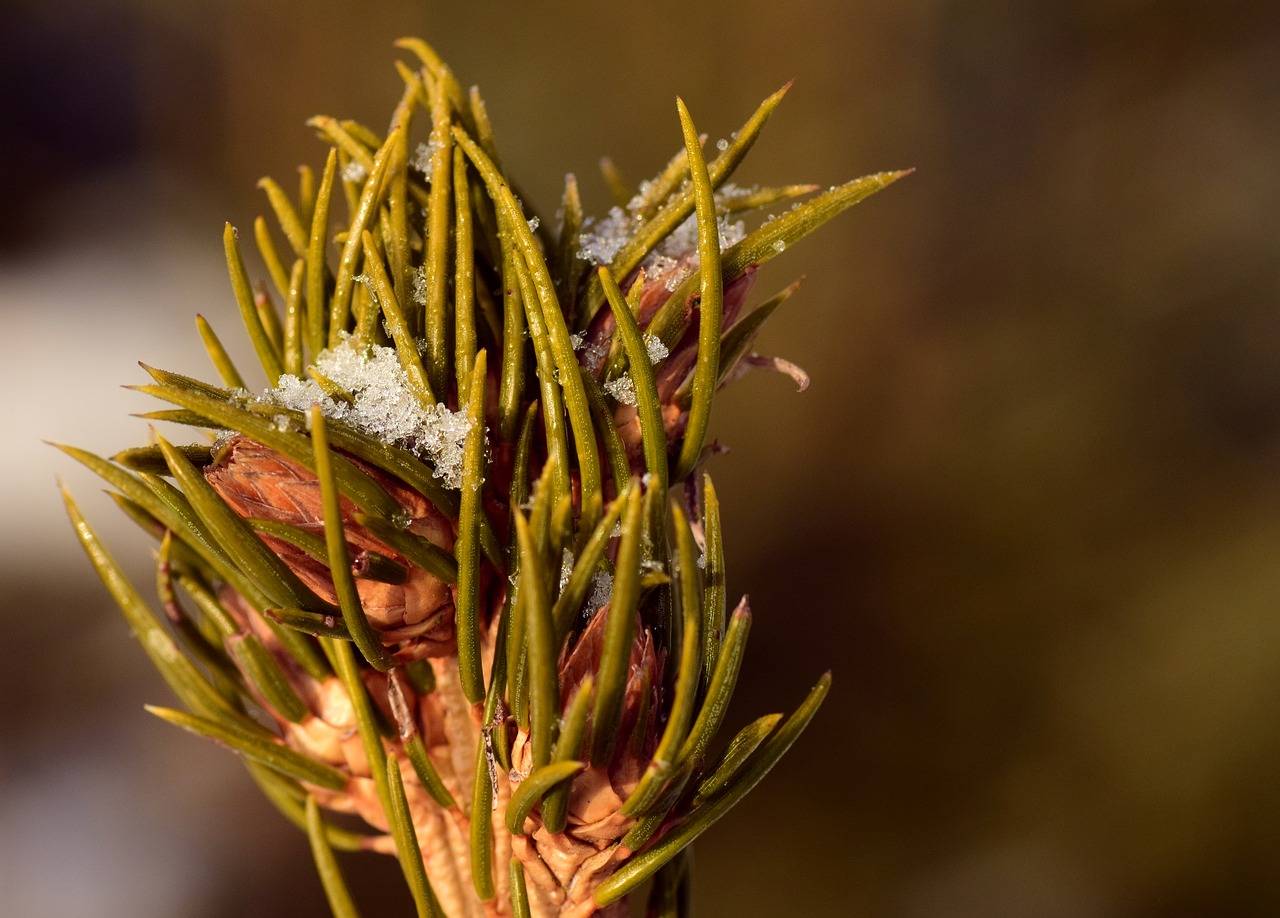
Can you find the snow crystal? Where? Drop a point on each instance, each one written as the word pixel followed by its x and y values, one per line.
pixel 566 568
pixel 594 354
pixel 384 406
pixel 642 191
pixel 731 232
pixel 418 285
pixel 354 172
pixel 578 340
pixel 677 278
pixel 731 192
pixel 684 238
pixel 702 561
pixel 657 350
pixel 367 282
pixel 623 389
pixel 423 153
pixel 534 223
pixel 656 265
pixel 603 239
pixel 722 145
pixel 601 590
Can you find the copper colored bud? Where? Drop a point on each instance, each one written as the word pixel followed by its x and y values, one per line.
pixel 260 483
pixel 574 862
pixel 678 364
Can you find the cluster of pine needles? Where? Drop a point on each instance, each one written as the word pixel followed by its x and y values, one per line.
pixel 566 476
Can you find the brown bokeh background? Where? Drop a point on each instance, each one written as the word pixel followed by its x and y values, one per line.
pixel 1029 511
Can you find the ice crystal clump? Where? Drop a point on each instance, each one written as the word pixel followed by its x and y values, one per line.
pixel 642 194
pixel 657 350
pixel 730 192
pixel 601 590
pixel 383 405
pixel 367 282
pixel 566 568
pixel 684 238
pixel 657 265
pixel 623 389
pixel 354 172
pixel 593 353
pixel 418 285
pixel 604 238
pixel 422 156
pixel 676 257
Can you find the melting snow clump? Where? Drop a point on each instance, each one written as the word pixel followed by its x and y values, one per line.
pixel 623 389
pixel 384 406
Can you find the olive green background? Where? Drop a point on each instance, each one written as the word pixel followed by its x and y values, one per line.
pixel 1028 511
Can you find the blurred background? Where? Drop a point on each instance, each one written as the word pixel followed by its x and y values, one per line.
pixel 1029 511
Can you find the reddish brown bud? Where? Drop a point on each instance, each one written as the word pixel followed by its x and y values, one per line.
pixel 678 364
pixel 574 862
pixel 261 483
